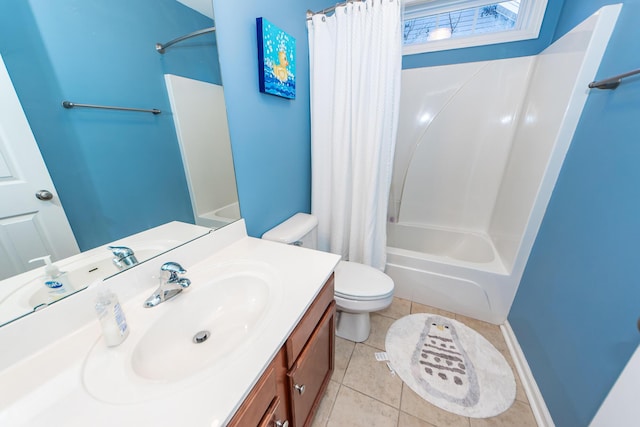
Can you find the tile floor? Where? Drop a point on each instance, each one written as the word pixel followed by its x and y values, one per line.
pixel 363 393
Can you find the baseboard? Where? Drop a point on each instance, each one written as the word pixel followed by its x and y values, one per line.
pixel 536 401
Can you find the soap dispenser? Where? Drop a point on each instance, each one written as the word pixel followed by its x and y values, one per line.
pixel 55 280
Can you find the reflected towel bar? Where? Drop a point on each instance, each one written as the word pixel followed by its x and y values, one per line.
pixel 161 47
pixel 68 104
pixel 612 82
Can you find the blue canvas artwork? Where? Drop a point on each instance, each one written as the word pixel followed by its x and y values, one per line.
pixel 276 60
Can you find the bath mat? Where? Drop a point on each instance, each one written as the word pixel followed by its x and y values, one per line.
pixel 450 365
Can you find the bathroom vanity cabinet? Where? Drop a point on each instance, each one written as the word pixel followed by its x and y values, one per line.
pixel 273 373
pixel 291 387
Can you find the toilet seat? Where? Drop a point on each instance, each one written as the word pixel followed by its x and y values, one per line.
pixel 361 282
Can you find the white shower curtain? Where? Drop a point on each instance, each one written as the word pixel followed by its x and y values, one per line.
pixel 355 61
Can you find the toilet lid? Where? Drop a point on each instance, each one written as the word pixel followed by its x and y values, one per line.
pixel 359 281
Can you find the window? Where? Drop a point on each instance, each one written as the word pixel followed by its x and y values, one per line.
pixel 450 24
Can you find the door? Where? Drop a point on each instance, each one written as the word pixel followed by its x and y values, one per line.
pixel 620 408
pixel 30 227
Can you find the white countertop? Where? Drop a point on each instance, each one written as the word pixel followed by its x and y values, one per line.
pixel 43 355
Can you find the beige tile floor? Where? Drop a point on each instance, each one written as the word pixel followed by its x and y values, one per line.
pixel 363 393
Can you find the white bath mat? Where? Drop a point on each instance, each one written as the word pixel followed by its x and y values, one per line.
pixel 450 365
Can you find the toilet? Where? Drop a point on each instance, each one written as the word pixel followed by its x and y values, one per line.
pixel 359 289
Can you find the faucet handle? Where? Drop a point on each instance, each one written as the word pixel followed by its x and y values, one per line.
pixel 174 269
pixel 124 256
pixel 121 251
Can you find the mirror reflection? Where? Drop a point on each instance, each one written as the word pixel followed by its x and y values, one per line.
pixel 105 175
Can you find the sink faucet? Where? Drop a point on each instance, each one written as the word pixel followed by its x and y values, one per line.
pixel 170 284
pixel 124 257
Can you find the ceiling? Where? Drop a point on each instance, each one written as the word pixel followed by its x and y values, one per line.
pixel 205 7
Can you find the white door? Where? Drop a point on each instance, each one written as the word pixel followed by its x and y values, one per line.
pixel 620 408
pixel 29 227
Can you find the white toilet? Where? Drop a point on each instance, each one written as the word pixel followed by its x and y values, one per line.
pixel 359 289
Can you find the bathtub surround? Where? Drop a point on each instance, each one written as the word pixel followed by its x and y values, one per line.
pixel 355 61
pixel 450 365
pixel 200 118
pixel 468 200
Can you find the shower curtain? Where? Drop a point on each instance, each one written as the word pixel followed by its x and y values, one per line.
pixel 355 62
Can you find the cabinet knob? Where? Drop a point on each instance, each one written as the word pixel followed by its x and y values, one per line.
pixel 299 387
pixel 284 423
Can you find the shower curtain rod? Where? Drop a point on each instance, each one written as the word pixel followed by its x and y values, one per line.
pixel 330 9
pixel 161 47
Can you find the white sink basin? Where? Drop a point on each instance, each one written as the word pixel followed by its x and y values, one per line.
pixel 233 302
pixel 226 310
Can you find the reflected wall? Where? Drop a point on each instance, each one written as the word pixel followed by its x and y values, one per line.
pixel 117 173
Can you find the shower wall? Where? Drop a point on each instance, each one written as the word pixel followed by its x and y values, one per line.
pixel 557 92
pixel 200 118
pixel 455 133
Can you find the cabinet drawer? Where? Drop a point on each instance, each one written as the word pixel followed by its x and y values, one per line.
pixel 301 333
pixel 274 415
pixel 255 406
pixel 311 372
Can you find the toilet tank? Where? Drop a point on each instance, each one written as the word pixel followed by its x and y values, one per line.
pixel 300 230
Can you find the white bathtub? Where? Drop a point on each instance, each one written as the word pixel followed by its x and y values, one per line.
pixel 449 269
pixel 219 217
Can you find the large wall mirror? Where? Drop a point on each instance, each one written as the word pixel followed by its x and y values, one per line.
pixel 116 173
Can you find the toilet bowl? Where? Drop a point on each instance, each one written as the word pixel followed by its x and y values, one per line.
pixel 359 289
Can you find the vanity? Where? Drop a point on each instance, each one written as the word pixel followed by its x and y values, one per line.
pixel 265 359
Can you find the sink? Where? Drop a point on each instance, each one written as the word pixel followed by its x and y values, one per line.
pixel 188 337
pixel 222 314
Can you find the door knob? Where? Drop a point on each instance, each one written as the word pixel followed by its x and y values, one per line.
pixel 284 423
pixel 44 195
pixel 299 388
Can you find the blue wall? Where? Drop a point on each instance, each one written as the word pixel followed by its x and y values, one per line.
pixel 494 51
pixel 270 135
pixel 577 305
pixel 117 173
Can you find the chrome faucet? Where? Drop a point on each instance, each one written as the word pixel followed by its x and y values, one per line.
pixel 170 284
pixel 123 257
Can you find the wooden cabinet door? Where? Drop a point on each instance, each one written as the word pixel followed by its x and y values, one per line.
pixel 310 374
pixel 259 401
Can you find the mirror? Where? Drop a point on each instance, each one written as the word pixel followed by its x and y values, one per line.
pixel 117 173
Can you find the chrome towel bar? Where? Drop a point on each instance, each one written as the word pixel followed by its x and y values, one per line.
pixel 69 104
pixel 612 82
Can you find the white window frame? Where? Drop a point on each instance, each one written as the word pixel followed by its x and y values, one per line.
pixel 527 27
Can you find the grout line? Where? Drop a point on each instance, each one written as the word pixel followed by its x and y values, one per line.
pixel 401 396
pixel 371 397
pixel 326 422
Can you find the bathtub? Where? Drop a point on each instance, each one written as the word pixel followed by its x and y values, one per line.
pixel 219 217
pixel 453 270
